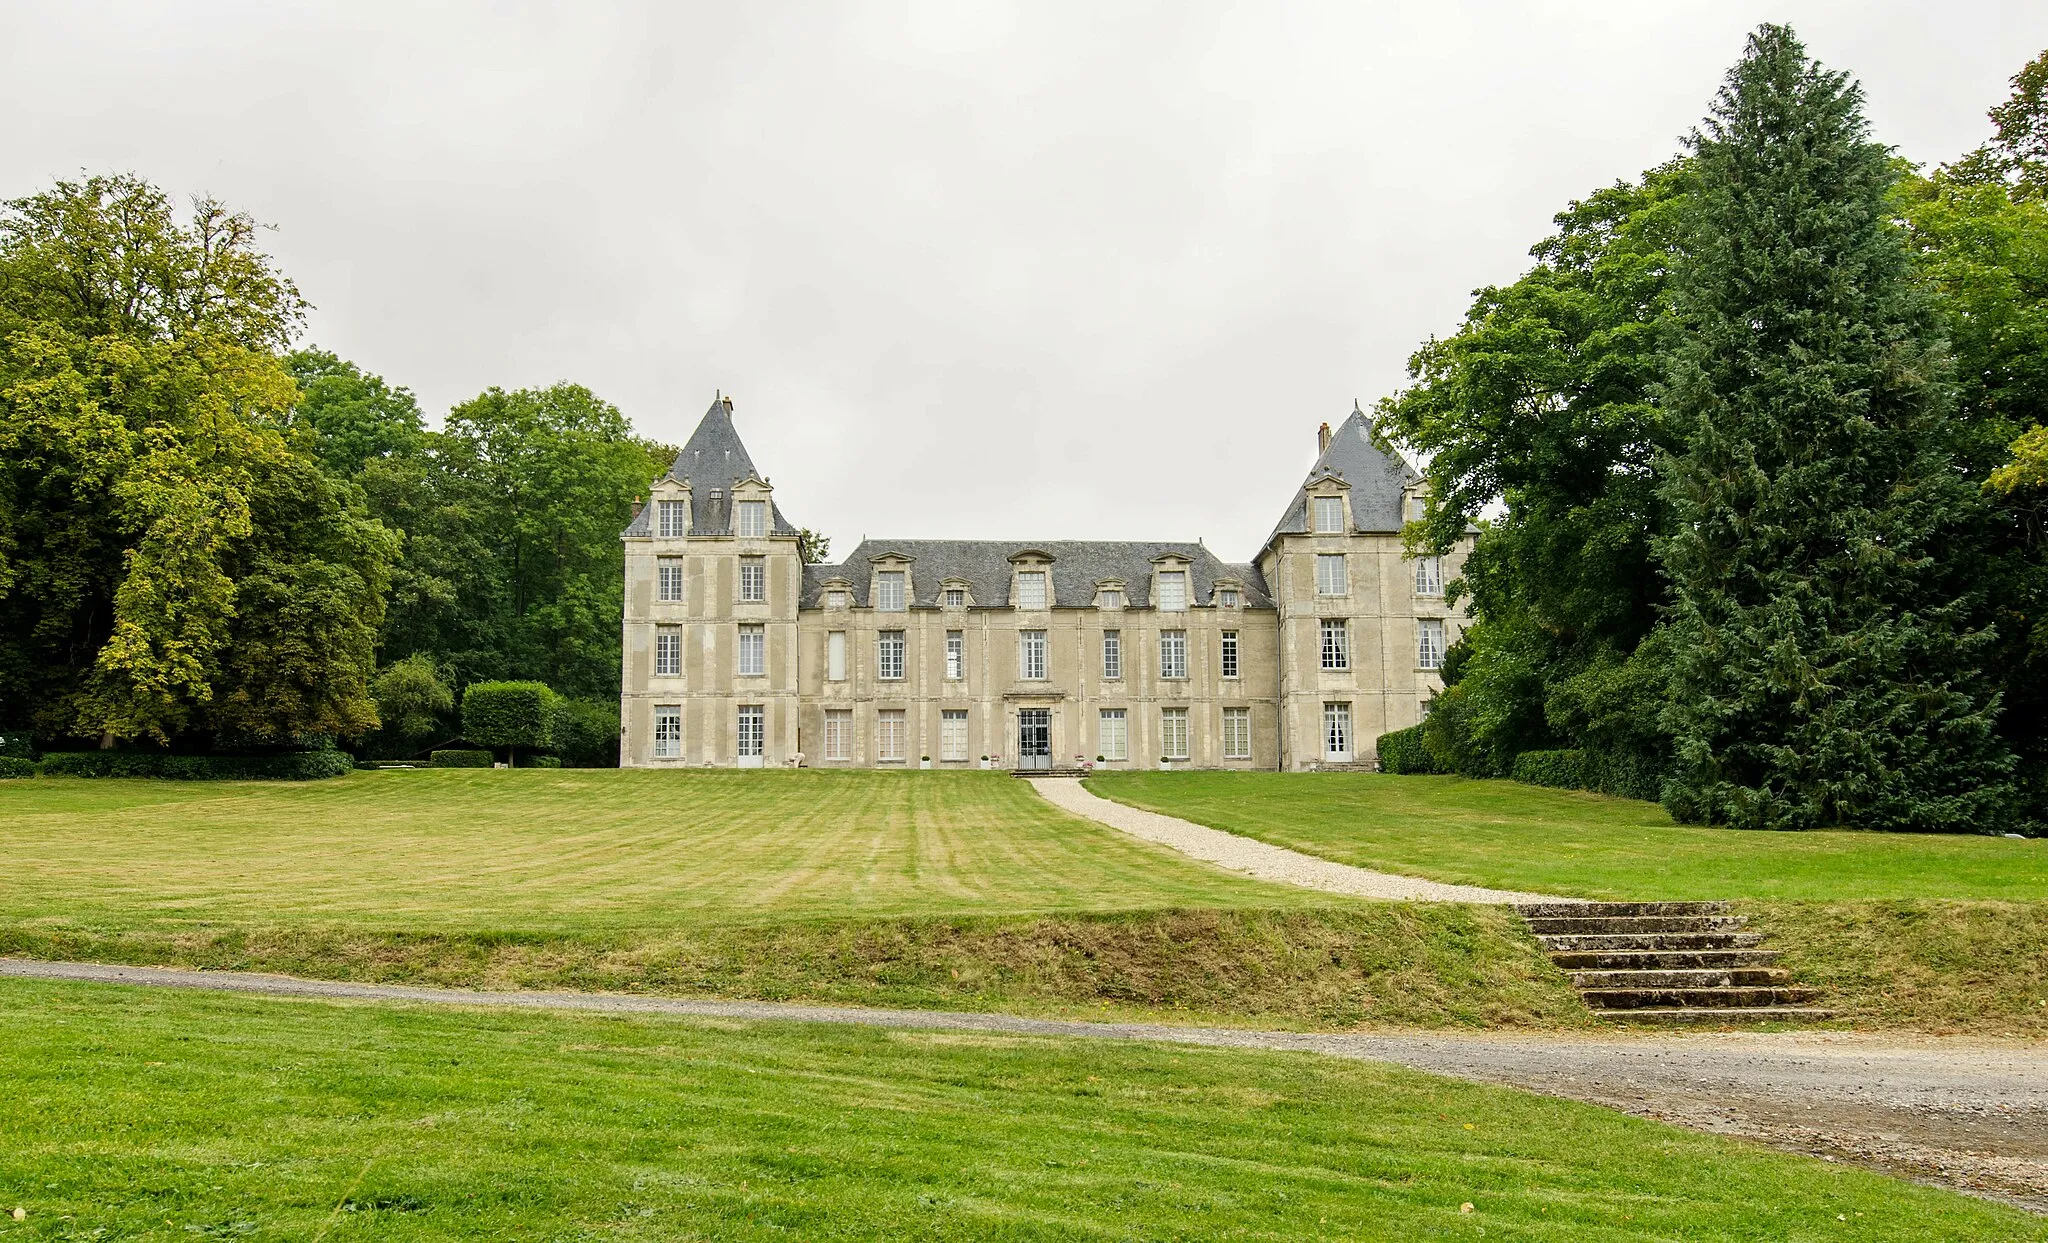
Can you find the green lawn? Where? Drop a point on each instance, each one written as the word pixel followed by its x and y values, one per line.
pixel 140 1114
pixel 1509 835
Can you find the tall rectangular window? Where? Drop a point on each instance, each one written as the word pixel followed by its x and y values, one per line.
pixel 668 732
pixel 1113 740
pixel 838 733
pixel 1429 576
pixel 753 578
pixel 1329 515
pixel 1336 643
pixel 1337 731
pixel 668 579
pixel 1173 733
pixel 1173 653
pixel 889 655
pixel 1031 655
pixel 1429 643
pixel 753 733
pixel 889 734
pixel 753 651
pixel 673 515
pixel 1331 580
pixel 956 655
pixel 1230 653
pixel 753 519
pixel 668 651
pixel 1237 733
pixel 1173 591
pixel 1031 589
pixel 953 734
pixel 835 656
pixel 1112 654
pixel 889 591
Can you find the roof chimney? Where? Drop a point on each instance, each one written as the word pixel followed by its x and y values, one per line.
pixel 1323 438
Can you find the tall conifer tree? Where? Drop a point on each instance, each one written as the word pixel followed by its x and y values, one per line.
pixel 1826 660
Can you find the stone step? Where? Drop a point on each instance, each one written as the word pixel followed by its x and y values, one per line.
pixel 1683 977
pixel 1660 960
pixel 1652 941
pixel 1552 925
pixel 1719 1017
pixel 1694 998
pixel 1547 910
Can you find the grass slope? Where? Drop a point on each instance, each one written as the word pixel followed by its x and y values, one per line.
pixel 155 1115
pixel 1508 835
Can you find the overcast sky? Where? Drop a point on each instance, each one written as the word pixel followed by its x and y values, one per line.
pixel 1032 270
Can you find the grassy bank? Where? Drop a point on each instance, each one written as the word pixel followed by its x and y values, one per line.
pixel 1379 964
pixel 158 1115
pixel 1513 836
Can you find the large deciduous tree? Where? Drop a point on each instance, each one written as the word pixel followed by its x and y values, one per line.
pixel 1825 657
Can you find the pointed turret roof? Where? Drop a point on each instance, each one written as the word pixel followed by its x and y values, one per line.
pixel 713 459
pixel 1376 477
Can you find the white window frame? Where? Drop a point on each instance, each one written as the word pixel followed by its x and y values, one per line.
pixel 1237 733
pixel 1173 654
pixel 1333 574
pixel 892 735
pixel 1228 664
pixel 953 734
pixel 1334 646
pixel 668 579
pixel 890 649
pixel 891 591
pixel 1429 643
pixel 751 520
pixel 1329 515
pixel 1110 598
pixel 838 733
pixel 1112 655
pixel 836 598
pixel 668 731
pixel 1337 732
pixel 753 579
pixel 1031 656
pixel 751 737
pixel 1173 591
pixel 1113 734
pixel 1034 591
pixel 835 656
pixel 1429 576
pixel 956 597
pixel 956 655
pixel 1227 598
pixel 668 651
pixel 753 651
pixel 673 516
pixel 1173 733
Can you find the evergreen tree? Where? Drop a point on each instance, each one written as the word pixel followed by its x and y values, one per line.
pixel 1825 662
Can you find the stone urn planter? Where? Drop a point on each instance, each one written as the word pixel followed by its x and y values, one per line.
pixel 924 761
pixel 1165 765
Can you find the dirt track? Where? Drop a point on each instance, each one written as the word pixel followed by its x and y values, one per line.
pixel 1964 1114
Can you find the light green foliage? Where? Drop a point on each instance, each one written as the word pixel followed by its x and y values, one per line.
pixel 351 416
pixel 1826 660
pixel 412 700
pixel 1511 836
pixel 168 565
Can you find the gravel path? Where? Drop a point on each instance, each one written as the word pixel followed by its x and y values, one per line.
pixel 1260 859
pixel 1967 1115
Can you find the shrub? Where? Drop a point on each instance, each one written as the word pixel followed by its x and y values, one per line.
pixel 1401 751
pixel 461 759
pixel 1560 770
pixel 412 701
pixel 586 734
pixel 15 766
pixel 282 766
pixel 544 761
pixel 18 746
pixel 510 715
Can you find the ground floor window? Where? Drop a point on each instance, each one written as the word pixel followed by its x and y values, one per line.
pixel 1237 733
pixel 668 732
pixel 1113 738
pixel 753 731
pixel 838 733
pixel 1173 733
pixel 953 735
pixel 889 734
pixel 1337 731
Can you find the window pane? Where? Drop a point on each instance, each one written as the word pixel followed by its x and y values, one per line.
pixel 835 656
pixel 753 518
pixel 1173 653
pixel 1337 730
pixel 1230 653
pixel 1331 578
pixel 1237 733
pixel 671 519
pixel 1173 733
pixel 1031 589
pixel 1329 515
pixel 839 734
pixel 668 732
pixel 753 578
pixel 668 573
pixel 1031 654
pixel 956 655
pixel 1336 644
pixel 1114 741
pixel 889 591
pixel 889 734
pixel 955 598
pixel 835 599
pixel 753 733
pixel 889 655
pixel 1429 576
pixel 1227 598
pixel 953 735
pixel 1112 654
pixel 1429 643
pixel 1173 591
pixel 668 652
pixel 753 651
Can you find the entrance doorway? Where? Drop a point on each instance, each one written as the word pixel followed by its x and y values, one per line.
pixel 1337 733
pixel 1034 738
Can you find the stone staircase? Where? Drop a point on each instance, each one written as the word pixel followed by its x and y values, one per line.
pixel 1669 962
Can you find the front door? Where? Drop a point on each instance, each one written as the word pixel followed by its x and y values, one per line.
pixel 753 736
pixel 1034 738
pixel 1337 733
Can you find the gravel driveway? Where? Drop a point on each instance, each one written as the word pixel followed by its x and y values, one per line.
pixel 1968 1115
pixel 1267 862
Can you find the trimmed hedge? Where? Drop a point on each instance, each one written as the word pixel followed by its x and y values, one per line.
pixel 1401 751
pixel 15 766
pixel 509 714
pixel 1629 776
pixel 284 766
pixel 1560 770
pixel 461 759
pixel 543 761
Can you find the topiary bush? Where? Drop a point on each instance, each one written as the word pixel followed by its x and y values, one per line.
pixel 513 715
pixel 1560 770
pixel 1401 751
pixel 458 758
pixel 283 766
pixel 15 766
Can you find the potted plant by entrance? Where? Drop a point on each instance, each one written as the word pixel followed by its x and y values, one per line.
pixel 924 761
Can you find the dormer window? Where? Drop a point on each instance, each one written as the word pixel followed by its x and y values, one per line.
pixel 1415 509
pixel 889 591
pixel 1226 598
pixel 753 519
pixel 1329 515
pixel 835 599
pixel 674 517
pixel 1110 598
pixel 956 597
pixel 1031 589
pixel 1173 591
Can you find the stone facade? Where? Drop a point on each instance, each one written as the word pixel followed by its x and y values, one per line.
pixel 1031 655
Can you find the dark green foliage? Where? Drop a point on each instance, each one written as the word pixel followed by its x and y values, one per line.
pixel 1560 770
pixel 454 758
pixel 586 734
pixel 18 744
pixel 1401 751
pixel 283 766
pixel 352 417
pixel 513 715
pixel 1824 663
pixel 413 704
pixel 16 766
pixel 544 761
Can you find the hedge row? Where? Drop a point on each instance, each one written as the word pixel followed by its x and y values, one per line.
pixel 1402 752
pixel 285 766
pixel 1560 770
pixel 1627 776
pixel 461 759
pixel 15 766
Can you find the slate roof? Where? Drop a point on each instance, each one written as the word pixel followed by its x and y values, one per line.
pixel 1376 478
pixel 713 458
pixel 1077 566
